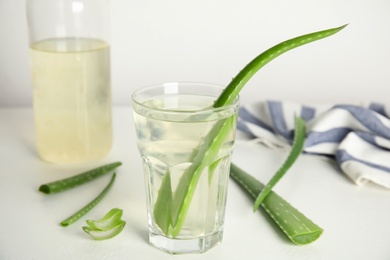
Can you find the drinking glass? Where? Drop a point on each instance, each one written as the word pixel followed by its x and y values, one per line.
pixel 70 70
pixel 186 147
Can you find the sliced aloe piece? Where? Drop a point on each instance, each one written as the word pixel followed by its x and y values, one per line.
pixel 108 221
pixel 105 234
pixel 163 206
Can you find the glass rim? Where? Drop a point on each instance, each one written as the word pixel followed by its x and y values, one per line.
pixel 210 109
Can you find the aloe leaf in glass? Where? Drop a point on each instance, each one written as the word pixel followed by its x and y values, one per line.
pixel 204 154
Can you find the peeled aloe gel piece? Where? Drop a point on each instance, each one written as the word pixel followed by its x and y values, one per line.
pixel 108 221
pixel 105 234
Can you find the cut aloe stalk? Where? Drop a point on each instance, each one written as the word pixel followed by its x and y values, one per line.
pixel 297 227
pixel 79 179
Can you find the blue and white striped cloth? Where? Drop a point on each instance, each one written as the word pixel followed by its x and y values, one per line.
pixel 358 137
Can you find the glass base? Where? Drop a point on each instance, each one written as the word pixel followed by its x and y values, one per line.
pixel 185 246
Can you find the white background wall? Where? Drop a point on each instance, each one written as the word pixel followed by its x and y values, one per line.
pixel 156 41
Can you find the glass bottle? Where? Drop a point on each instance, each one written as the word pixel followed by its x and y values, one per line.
pixel 70 70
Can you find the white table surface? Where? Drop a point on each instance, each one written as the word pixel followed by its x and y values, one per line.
pixel 356 219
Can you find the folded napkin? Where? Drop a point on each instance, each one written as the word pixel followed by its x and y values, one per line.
pixel 357 136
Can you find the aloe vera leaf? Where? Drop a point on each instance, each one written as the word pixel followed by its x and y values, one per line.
pixel 207 152
pixel 297 227
pixel 163 206
pixel 108 221
pixel 105 234
pixel 235 86
pixel 296 150
pixel 84 210
pixel 161 216
pixel 71 182
pixel 212 169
